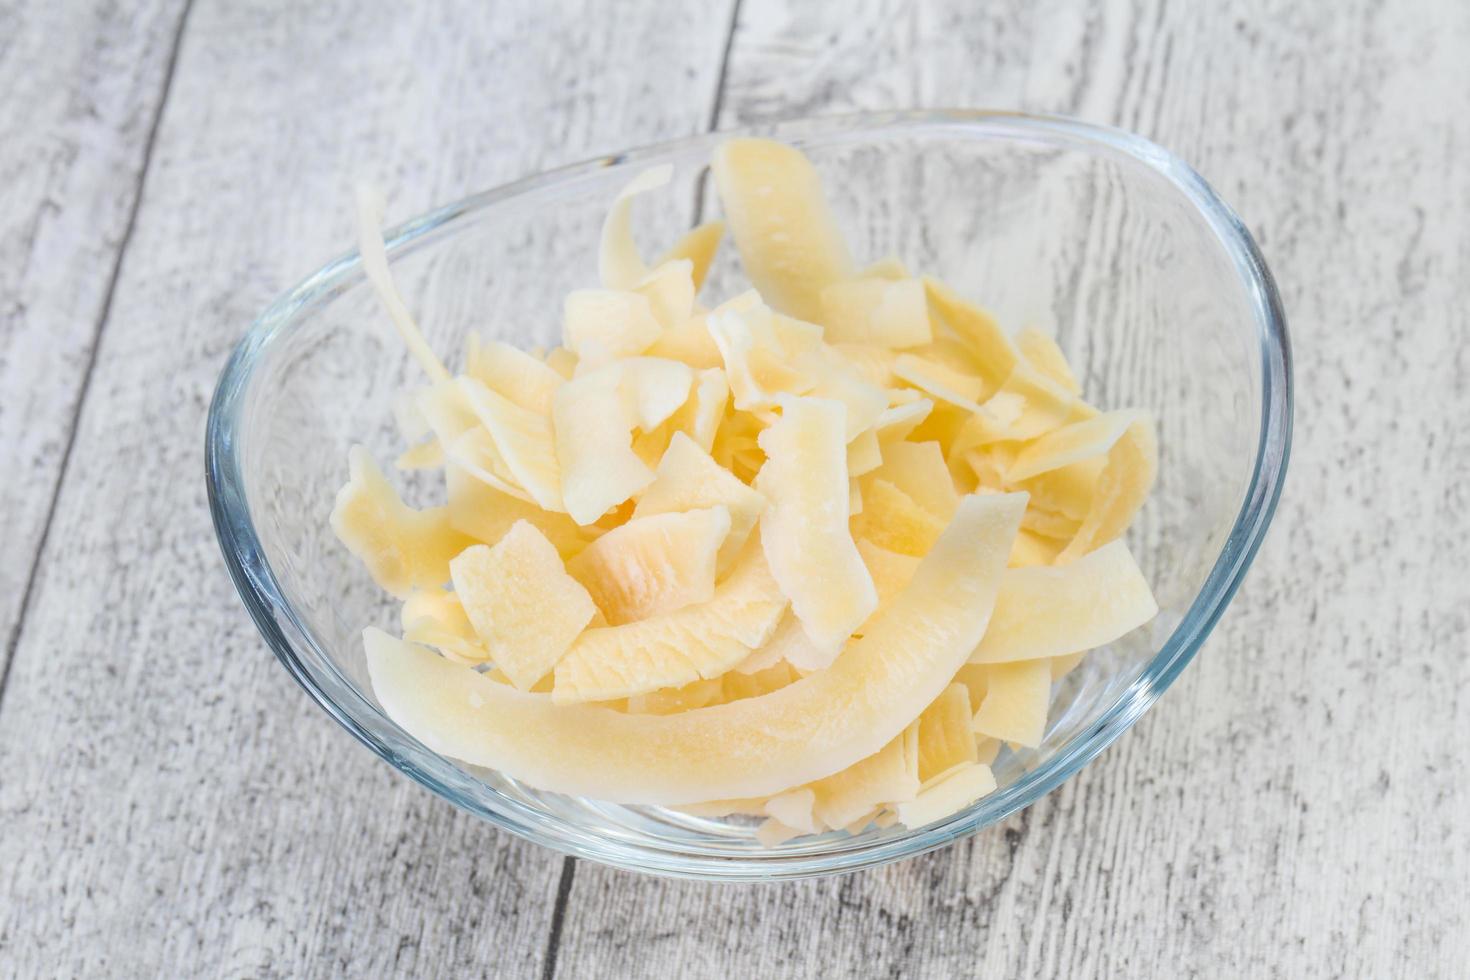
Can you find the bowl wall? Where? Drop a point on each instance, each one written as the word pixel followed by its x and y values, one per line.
pixel 1151 287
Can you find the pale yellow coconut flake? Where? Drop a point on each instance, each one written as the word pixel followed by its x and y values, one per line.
pixel 1016 702
pixel 804 528
pixel 788 242
pixel 372 249
pixel 522 603
pixel 619 264
pixel 403 548
pixel 1051 612
pixel 653 565
pixel 958 790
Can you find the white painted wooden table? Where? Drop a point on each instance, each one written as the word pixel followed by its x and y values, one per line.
pixel 172 805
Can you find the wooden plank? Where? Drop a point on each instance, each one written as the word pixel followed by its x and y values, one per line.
pixel 172 803
pixel 1295 806
pixel 80 87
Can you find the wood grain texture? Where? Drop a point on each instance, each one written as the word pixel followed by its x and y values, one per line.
pixel 172 804
pixel 80 87
pixel 1295 806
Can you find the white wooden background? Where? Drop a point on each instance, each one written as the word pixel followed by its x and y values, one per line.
pixel 171 804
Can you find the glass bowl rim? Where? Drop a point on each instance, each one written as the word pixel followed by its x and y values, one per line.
pixel 283 630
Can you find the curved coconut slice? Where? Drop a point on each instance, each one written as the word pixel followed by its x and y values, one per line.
pixel 669 290
pixel 619 265
pixel 886 776
pixel 516 375
pixel 994 351
pixel 949 796
pixel 593 422
pixel 888 267
pixel 690 343
pixel 919 470
pixel 677 648
pixel 653 565
pixel 486 514
pixel 804 528
pixel 403 548
pixel 755 747
pixel 699 246
pixel 1017 697
pixel 1052 612
pixel 434 617
pixel 522 603
pixel 946 738
pixel 374 253
pixel 789 245
pixel 688 478
pixel 1043 354
pixel 601 325
pixel 887 313
pixel 1121 490
pixel 1071 444
pixel 891 520
pixel 523 439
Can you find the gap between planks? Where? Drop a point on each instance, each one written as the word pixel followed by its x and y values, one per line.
pixel 569 863
pixel 13 641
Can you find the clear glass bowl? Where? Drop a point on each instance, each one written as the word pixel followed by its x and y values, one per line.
pixel 1152 286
